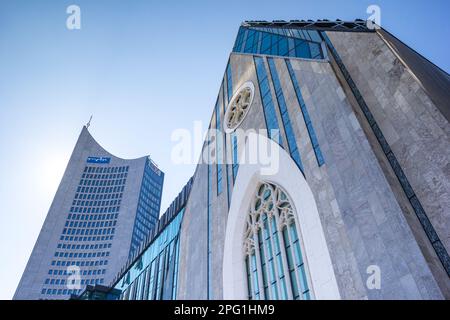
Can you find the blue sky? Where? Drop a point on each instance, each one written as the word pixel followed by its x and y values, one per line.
pixel 143 69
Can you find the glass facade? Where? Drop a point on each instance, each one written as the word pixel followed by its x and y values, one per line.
pixel 279 42
pixel 154 274
pixel 148 205
pixel 273 129
pixel 86 239
pixel 219 146
pixel 229 82
pixel 235 165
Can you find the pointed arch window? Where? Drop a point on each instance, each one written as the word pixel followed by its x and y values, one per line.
pixel 274 264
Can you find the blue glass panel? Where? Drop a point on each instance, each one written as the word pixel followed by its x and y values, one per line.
pixel 235 165
pixel 280 42
pixel 319 156
pixel 283 47
pixel 305 114
pixel 282 104
pixel 302 49
pixel 219 149
pixel 266 43
pixel 229 82
pixel 315 36
pixel 152 260
pixel 266 97
pixel 312 135
pixel 239 40
pixel 264 87
pixel 315 50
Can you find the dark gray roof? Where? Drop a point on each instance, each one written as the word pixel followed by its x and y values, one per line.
pixel 336 25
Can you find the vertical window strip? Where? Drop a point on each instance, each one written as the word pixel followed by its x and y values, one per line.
pixel 291 266
pixel 175 276
pixel 235 159
pixel 249 278
pixel 147 281
pixel 262 257
pixel 224 104
pixel 279 259
pixel 299 264
pixel 229 82
pixel 270 116
pixel 209 218
pixel 255 282
pixel 306 118
pixel 152 280
pixel 292 143
pixel 219 149
pixel 271 262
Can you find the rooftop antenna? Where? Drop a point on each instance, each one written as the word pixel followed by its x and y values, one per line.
pixel 89 122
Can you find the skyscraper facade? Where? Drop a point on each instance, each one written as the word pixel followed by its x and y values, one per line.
pixel 103 209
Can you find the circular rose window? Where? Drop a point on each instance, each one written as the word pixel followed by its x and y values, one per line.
pixel 239 106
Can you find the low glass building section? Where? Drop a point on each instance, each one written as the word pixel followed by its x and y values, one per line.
pixel 153 276
pixel 152 273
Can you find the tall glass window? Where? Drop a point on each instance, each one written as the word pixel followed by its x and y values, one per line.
pixel 274 265
pixel 209 219
pixel 235 165
pixel 219 146
pixel 229 82
pixel 267 102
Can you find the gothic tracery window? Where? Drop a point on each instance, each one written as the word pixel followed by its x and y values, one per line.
pixel 275 269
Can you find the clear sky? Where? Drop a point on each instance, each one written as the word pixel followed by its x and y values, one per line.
pixel 143 69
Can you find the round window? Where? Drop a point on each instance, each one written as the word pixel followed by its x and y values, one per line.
pixel 239 106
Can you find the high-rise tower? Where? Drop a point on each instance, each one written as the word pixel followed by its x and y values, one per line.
pixel 103 208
